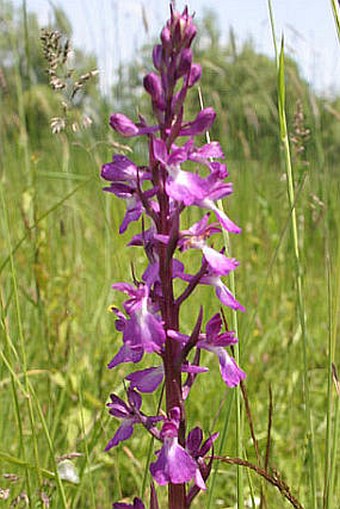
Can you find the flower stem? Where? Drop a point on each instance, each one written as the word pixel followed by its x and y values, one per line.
pixel 172 368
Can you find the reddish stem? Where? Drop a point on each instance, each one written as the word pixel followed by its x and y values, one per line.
pixel 172 366
pixel 169 309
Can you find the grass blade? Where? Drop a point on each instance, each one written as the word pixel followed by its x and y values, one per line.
pixel 336 14
pixel 228 407
pixel 298 264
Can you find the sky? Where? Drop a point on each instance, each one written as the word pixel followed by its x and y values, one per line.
pixel 114 29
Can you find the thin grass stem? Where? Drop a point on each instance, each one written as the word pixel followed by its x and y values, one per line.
pixel 59 483
pixel 228 407
pixel 336 15
pixel 14 382
pixel 298 264
pixel 334 307
pixel 150 448
pixel 334 462
pixel 328 454
pixel 41 218
pixel 87 455
pixel 22 342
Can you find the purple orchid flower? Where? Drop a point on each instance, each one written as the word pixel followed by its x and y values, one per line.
pixel 144 329
pixel 216 190
pixel 146 380
pixel 125 178
pixel 174 464
pixel 206 156
pixel 130 415
pixel 215 341
pixel 125 353
pixel 222 292
pixel 198 451
pixel 122 169
pixel 195 238
pixel 194 444
pixel 190 188
pixel 213 278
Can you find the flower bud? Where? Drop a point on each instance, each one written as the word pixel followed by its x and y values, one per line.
pixel 157 56
pixel 152 84
pixel 190 32
pixel 202 122
pixel 123 125
pixel 195 74
pixel 183 29
pixel 166 38
pixel 184 63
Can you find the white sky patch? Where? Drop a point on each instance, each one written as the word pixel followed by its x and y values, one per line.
pixel 114 30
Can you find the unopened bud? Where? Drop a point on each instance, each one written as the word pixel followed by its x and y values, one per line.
pixel 184 63
pixel 166 38
pixel 202 122
pixel 123 125
pixel 153 85
pixel 157 56
pixel 195 74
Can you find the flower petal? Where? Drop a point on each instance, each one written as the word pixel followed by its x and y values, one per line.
pixel 226 223
pixel 227 298
pixel 194 441
pixel 143 330
pixel 231 373
pixel 218 262
pixel 184 187
pixel 146 380
pixel 174 464
pixel 121 168
pixel 126 354
pixel 124 432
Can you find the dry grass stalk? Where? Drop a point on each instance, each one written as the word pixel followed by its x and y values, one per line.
pixel 63 79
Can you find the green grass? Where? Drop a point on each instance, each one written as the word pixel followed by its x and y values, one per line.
pixel 60 252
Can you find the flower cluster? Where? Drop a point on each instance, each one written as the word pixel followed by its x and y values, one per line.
pixel 150 321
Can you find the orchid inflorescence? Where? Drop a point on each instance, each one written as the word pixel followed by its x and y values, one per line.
pixel 150 323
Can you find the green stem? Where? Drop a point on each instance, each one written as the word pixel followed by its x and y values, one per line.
pixel 328 455
pixel 334 307
pixel 298 265
pixel 22 344
pixel 335 9
pixel 224 434
pixel 14 382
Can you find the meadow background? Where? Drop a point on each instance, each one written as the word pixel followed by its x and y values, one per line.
pixel 60 252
